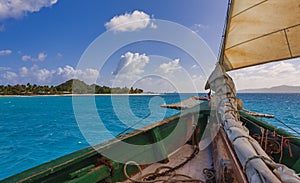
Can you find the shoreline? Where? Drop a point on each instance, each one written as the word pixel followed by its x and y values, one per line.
pixel 74 95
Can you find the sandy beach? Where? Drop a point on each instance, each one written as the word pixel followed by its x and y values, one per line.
pixel 74 95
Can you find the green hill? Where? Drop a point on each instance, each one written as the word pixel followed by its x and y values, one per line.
pixel 72 86
pixel 275 89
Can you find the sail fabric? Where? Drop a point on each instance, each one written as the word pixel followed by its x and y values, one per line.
pixel 261 31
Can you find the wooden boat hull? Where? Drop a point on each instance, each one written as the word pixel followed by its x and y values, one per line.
pixel 88 165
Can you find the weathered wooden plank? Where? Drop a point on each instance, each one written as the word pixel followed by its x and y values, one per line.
pixel 226 165
pixel 194 168
pixel 185 104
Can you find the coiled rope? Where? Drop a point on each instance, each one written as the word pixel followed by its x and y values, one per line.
pixel 170 172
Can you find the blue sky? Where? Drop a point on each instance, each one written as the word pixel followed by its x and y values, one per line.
pixel 42 41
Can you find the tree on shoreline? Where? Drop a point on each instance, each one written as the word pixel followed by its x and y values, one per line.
pixel 73 86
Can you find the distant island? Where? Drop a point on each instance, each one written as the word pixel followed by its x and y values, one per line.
pixel 275 89
pixel 73 86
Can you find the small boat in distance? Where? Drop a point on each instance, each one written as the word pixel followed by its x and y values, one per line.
pixel 243 148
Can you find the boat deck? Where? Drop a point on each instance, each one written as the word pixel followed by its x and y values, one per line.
pixel 193 168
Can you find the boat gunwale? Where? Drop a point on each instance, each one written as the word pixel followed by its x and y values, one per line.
pixel 269 126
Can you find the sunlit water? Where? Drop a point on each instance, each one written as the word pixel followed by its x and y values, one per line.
pixel 34 130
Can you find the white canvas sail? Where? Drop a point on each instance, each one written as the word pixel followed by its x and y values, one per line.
pixel 261 31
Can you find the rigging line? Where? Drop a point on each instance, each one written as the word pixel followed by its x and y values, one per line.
pixel 137 122
pixel 222 47
pixel 250 121
pixel 290 137
pixel 287 125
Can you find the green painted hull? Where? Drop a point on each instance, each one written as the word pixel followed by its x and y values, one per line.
pixel 88 165
pixel 290 155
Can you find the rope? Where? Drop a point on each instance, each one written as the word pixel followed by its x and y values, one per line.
pixel 209 174
pixel 249 121
pixel 266 140
pixel 288 144
pixel 196 150
pixel 255 157
pixel 139 121
pixel 242 136
pixel 173 177
pixel 279 122
pixel 272 147
pixel 281 149
pixel 287 126
pixel 232 126
pixel 107 163
pixel 274 142
pixel 262 136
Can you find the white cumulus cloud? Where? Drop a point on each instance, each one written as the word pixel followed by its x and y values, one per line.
pixel 5 52
pixel 19 8
pixel 170 67
pixel 10 75
pixel 88 75
pixel 131 64
pixel 35 75
pixel 42 76
pixel 26 58
pixel 23 71
pixel 127 22
pixel 268 75
pixel 40 57
pixel 130 68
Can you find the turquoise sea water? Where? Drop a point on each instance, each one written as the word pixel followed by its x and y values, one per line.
pixel 285 107
pixel 34 130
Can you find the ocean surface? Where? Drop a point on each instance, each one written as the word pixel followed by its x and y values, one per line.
pixel 34 130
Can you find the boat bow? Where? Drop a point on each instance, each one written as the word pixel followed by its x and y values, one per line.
pixel 256 32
